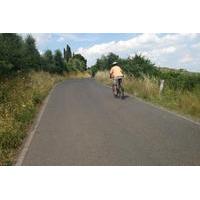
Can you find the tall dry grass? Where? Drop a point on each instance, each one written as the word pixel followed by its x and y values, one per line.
pixel 77 74
pixel 183 102
pixel 146 88
pixel 19 98
pixel 103 76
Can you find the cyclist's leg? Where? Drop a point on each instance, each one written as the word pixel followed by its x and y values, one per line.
pixel 114 86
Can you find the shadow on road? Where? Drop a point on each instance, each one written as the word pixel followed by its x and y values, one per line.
pixel 124 98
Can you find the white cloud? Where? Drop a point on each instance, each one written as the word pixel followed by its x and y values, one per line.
pixel 74 37
pixel 119 46
pixel 164 49
pixel 41 38
pixel 41 52
pixel 156 52
pixel 196 46
pixel 61 39
pixel 186 58
pixel 168 50
pixel 66 36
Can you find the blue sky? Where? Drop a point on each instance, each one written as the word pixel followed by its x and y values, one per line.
pixel 165 50
pixel 76 40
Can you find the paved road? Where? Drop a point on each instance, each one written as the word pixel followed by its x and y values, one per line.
pixel 84 125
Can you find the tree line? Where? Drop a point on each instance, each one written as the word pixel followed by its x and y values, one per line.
pixel 18 54
pixel 139 66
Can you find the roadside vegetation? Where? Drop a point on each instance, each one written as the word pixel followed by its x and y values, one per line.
pixel 181 91
pixel 26 77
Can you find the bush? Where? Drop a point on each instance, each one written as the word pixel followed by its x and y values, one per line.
pixel 75 64
pixel 181 80
pixel 5 67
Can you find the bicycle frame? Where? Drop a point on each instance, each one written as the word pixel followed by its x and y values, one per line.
pixel 118 89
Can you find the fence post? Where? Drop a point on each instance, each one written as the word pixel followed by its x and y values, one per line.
pixel 161 86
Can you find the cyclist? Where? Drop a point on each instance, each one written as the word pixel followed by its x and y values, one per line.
pixel 116 74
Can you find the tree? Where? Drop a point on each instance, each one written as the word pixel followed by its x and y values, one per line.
pixel 11 52
pixel 48 55
pixel 93 70
pixel 139 66
pixel 32 56
pixel 75 64
pixel 48 61
pixel 82 59
pixel 58 61
pixel 134 66
pixel 105 62
pixel 111 57
pixel 67 53
pixel 17 53
pixel 64 53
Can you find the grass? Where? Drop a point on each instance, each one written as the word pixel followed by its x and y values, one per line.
pixel 20 97
pixel 184 102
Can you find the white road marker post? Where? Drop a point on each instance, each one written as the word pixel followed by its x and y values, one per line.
pixel 161 86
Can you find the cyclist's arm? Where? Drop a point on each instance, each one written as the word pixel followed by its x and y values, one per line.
pixel 122 72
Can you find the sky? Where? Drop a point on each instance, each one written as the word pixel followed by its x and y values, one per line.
pixel 165 50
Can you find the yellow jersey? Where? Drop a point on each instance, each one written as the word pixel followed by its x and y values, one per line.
pixel 115 71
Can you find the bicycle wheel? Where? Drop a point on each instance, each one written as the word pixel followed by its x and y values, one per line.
pixel 114 90
pixel 121 89
pixel 122 92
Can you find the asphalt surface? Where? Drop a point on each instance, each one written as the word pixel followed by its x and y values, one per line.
pixel 84 125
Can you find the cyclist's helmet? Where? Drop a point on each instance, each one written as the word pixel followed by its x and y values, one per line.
pixel 114 63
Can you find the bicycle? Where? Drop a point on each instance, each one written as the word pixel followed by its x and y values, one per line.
pixel 118 89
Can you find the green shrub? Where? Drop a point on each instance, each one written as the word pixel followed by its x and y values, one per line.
pixel 11 140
